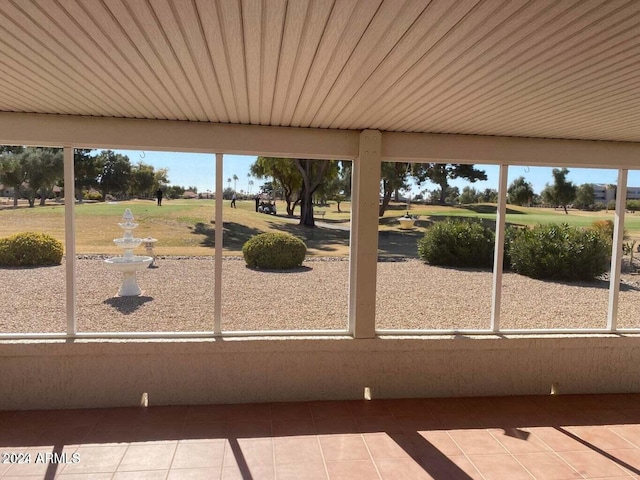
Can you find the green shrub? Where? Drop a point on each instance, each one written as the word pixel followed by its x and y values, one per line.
pixel 604 228
pixel 92 196
pixel 560 252
pixel 30 249
pixel 457 243
pixel 275 251
pixel 511 232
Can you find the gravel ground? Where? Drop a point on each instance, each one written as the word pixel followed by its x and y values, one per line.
pixel 178 296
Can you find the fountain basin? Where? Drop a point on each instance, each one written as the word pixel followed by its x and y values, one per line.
pixel 406 223
pixel 127 243
pixel 128 267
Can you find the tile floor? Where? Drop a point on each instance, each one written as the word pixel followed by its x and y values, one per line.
pixel 546 437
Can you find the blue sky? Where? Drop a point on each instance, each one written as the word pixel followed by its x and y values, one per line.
pixel 191 169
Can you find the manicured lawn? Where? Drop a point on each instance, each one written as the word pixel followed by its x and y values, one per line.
pixel 186 227
pixel 515 215
pixel 183 227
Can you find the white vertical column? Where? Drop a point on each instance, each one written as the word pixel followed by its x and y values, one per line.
pixel 217 316
pixel 616 257
pixel 364 235
pixel 70 239
pixel 498 256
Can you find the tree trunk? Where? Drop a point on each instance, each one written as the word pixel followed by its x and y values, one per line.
pixel 396 195
pixel 309 187
pixel 443 193
pixel 565 209
pixel 338 207
pixel 306 213
pixel 15 198
pixel 386 198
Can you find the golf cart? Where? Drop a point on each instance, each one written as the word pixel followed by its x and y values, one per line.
pixel 266 205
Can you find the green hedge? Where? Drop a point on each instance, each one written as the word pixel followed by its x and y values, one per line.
pixel 30 249
pixel 274 251
pixel 457 243
pixel 560 252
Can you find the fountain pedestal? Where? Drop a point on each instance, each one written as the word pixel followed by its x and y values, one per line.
pixel 128 263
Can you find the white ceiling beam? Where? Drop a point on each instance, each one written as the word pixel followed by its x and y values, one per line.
pixel 176 136
pixel 422 147
pixel 180 136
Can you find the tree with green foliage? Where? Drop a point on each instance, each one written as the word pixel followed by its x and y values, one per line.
pixel 174 191
pixel 46 170
pixel 160 178
pixel 86 169
pixel 314 173
pixel 488 195
pixel 33 172
pixel 142 182
pixel 520 192
pixel 393 176
pixel 585 196
pixel 11 173
pixel 115 173
pixel 338 187
pixel 469 195
pixel 284 173
pixel 562 192
pixel 441 173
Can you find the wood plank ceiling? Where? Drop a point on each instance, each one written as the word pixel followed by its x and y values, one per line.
pixel 538 68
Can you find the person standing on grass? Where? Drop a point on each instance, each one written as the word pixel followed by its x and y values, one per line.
pixel 159 197
pixel 233 200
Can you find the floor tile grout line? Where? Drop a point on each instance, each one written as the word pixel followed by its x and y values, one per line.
pixel 175 451
pixel 324 460
pixel 513 456
pixel 465 454
pixel 557 454
pixel 375 464
pixel 622 437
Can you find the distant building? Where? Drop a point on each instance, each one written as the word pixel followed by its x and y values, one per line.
pixel 602 194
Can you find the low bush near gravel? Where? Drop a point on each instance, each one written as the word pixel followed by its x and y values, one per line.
pixel 457 243
pixel 30 249
pixel 275 251
pixel 560 252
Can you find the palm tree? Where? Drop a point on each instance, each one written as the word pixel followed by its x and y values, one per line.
pixel 235 182
pixel 229 182
pixel 250 186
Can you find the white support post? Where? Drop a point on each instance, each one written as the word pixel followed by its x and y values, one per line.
pixel 217 316
pixel 498 256
pixel 364 235
pixel 70 240
pixel 616 256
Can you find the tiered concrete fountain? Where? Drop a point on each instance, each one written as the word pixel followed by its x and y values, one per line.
pixel 128 263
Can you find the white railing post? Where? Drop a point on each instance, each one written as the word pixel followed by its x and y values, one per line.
pixel 217 308
pixel 616 256
pixel 498 256
pixel 70 239
pixel 363 255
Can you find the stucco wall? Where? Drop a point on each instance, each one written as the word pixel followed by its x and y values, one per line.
pixel 97 373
